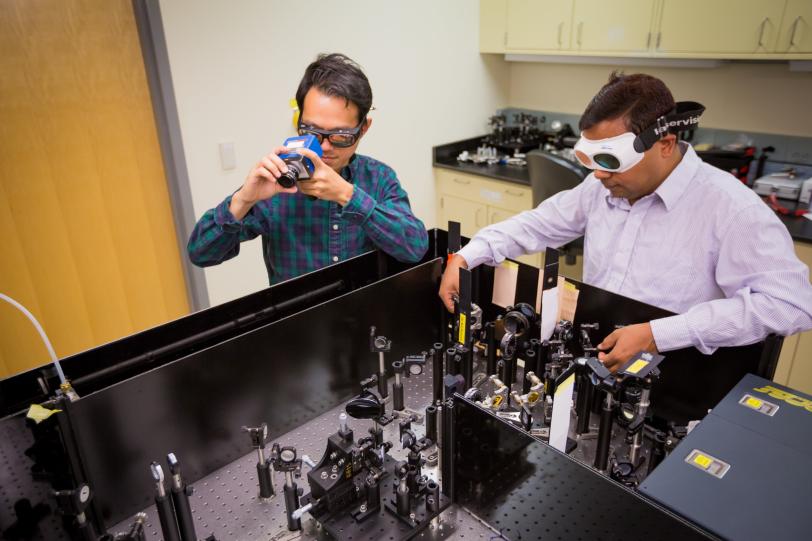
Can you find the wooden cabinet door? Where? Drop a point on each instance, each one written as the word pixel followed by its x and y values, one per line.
pixel 795 35
pixel 492 26
pixel 496 215
pixel 471 215
pixel 721 26
pixel 618 26
pixel 795 362
pixel 539 24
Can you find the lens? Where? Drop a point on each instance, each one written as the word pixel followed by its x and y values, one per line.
pixel 342 140
pixel 583 158
pixel 288 180
pixel 319 137
pixel 607 161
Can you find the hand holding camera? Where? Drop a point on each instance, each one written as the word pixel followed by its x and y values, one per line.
pixel 296 165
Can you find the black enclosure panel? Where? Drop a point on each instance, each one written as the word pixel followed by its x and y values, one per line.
pixel 691 382
pixel 284 373
pixel 527 490
pixel 96 368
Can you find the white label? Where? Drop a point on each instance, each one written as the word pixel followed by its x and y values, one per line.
pixel 490 195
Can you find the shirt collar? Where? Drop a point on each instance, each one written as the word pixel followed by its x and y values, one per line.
pixel 674 186
pixel 346 172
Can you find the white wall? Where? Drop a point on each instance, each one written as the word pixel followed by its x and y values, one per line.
pixel 235 66
pixel 746 96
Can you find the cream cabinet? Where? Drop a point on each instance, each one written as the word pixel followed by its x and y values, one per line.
pixel 492 26
pixel 721 26
pixel 719 29
pixel 541 25
pixel 622 26
pixel 476 201
pixel 795 363
pixel 795 34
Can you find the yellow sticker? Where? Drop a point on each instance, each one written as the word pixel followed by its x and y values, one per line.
pixel 295 106
pixel 38 414
pixel 497 400
pixel 703 461
pixel 461 339
pixel 510 265
pixel 570 285
pixel 637 366
pixel 532 396
pixel 754 403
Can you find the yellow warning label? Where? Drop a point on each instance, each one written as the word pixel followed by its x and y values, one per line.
pixel 497 400
pixel 463 326
pixel 702 460
pixel 637 366
pixel 754 403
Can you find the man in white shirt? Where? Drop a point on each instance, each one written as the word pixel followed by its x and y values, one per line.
pixel 662 227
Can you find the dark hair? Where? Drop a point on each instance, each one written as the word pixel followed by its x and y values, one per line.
pixel 638 98
pixel 337 75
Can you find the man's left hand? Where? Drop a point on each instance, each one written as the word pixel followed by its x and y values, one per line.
pixel 325 183
pixel 622 344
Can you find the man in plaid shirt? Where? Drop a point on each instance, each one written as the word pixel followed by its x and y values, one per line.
pixel 359 203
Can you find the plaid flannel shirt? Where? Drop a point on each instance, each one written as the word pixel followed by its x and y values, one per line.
pixel 300 235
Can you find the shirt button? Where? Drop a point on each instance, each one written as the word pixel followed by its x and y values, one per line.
pixel 335 258
pixel 335 227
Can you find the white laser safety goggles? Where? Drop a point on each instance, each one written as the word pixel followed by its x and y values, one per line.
pixel 622 152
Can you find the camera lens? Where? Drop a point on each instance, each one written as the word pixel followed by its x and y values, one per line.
pixel 288 180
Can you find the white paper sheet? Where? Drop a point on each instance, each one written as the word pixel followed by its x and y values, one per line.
pixel 504 284
pixel 549 311
pixel 562 405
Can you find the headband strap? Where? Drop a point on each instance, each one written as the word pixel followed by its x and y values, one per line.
pixel 684 116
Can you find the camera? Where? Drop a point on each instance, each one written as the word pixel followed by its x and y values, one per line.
pixel 299 167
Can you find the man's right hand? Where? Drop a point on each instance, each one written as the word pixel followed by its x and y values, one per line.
pixel 260 184
pixel 450 284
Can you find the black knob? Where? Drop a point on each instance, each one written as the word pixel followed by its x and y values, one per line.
pixel 366 406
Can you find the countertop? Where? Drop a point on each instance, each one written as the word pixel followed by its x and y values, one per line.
pixel 445 156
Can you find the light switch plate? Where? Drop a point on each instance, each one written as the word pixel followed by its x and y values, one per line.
pixel 228 158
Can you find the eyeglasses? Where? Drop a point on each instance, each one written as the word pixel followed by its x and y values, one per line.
pixel 341 138
pixel 615 154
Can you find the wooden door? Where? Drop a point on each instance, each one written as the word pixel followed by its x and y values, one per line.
pixel 89 243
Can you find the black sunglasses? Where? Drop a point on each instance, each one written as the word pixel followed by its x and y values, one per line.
pixel 341 138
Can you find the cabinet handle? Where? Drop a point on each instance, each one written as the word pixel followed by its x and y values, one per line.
pixel 511 192
pixel 560 29
pixel 761 32
pixel 458 181
pixel 580 31
pixel 648 40
pixel 794 28
pixel 659 35
pixel 476 217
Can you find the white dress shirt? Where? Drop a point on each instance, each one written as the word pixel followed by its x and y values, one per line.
pixel 703 245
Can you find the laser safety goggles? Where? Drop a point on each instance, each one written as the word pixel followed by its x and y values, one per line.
pixel 622 152
pixel 341 138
